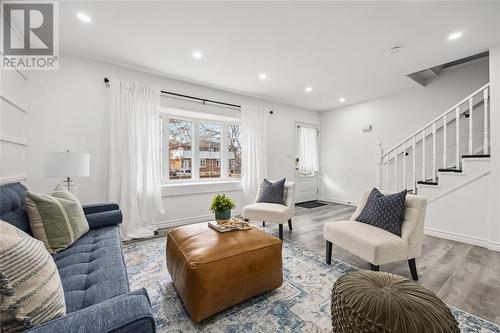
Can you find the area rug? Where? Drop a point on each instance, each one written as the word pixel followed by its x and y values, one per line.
pixel 301 304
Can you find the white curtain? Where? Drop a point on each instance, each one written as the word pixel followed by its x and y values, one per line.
pixel 308 150
pixel 134 161
pixel 254 143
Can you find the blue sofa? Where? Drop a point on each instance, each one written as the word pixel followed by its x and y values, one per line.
pixel 93 273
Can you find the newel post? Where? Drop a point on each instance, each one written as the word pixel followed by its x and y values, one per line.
pixel 380 155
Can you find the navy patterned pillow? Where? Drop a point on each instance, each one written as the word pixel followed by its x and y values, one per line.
pixel 384 211
pixel 272 192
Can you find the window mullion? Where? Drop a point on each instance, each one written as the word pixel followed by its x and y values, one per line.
pixel 224 154
pixel 195 150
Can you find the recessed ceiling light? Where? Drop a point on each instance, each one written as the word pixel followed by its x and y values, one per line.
pixel 455 35
pixel 262 76
pixel 308 89
pixel 342 100
pixel 197 55
pixel 84 17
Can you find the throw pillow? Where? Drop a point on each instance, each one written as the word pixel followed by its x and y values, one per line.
pixel 57 220
pixel 384 211
pixel 31 291
pixel 272 192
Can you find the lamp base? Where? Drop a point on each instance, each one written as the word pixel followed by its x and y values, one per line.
pixel 70 185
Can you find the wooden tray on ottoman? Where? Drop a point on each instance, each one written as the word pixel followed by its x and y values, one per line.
pixel 213 271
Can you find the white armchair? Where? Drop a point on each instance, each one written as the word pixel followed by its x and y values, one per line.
pixel 378 246
pixel 271 212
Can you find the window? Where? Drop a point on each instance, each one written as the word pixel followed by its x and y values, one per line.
pixel 180 134
pixel 210 141
pixel 234 147
pixel 216 154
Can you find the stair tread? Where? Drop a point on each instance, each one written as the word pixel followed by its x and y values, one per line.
pixel 450 170
pixel 425 182
pixel 476 156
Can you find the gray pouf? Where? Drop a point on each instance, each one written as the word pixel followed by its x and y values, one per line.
pixel 367 301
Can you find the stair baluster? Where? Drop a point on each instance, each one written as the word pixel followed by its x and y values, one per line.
pixel 486 124
pixel 404 165
pixel 470 125
pixel 387 172
pixel 414 170
pixel 434 152
pixel 396 169
pixel 445 139
pixel 457 131
pixel 423 154
pixel 380 163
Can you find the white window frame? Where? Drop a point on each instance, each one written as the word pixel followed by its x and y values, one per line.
pixel 195 150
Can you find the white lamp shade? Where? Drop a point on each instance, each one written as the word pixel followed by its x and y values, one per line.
pixel 67 165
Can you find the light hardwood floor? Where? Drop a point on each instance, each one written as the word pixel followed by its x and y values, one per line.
pixel 462 275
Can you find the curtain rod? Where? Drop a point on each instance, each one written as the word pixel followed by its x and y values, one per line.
pixel 203 100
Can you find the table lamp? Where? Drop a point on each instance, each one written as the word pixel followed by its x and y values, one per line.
pixel 67 165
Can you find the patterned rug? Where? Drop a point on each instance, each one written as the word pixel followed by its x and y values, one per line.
pixel 301 304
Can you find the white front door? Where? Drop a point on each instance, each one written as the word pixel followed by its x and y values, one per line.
pixel 306 171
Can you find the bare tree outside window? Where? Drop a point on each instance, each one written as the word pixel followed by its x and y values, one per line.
pixel 210 141
pixel 234 147
pixel 180 162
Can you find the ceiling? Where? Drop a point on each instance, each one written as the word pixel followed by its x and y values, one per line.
pixel 337 48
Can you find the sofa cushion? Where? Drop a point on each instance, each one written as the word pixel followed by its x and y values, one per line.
pixel 92 270
pixel 12 200
pixel 58 219
pixel 384 211
pixel 269 212
pixel 26 301
pixel 368 242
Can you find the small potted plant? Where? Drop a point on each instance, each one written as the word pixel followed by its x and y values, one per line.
pixel 221 206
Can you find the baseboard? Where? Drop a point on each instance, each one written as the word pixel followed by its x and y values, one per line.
pixel 338 201
pixel 490 245
pixel 188 220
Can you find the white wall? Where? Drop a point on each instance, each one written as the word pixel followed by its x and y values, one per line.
pixel 70 111
pixel 14 113
pixel 349 156
pixel 494 194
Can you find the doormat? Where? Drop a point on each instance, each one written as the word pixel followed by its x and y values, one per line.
pixel 310 204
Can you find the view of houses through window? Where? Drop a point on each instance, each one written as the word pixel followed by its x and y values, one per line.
pixel 210 153
pixel 180 139
pixel 218 155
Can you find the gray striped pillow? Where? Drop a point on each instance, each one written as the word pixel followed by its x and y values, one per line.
pixel 31 291
pixel 58 219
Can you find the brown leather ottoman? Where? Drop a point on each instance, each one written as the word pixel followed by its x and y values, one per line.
pixel 212 271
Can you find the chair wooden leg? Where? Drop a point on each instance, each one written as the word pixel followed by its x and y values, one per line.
pixel 263 223
pixel 281 231
pixel 413 269
pixel 374 268
pixel 329 252
pixel 290 224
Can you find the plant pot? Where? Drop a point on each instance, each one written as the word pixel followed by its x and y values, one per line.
pixel 222 215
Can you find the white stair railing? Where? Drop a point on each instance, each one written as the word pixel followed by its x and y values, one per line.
pixel 392 155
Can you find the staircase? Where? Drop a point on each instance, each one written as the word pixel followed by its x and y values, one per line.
pixel 444 153
pixel 448 162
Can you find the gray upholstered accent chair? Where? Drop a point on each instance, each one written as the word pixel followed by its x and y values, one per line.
pixel 375 245
pixel 271 212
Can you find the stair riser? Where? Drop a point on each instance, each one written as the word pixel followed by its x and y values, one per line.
pixel 470 169
pixel 447 179
pixel 474 166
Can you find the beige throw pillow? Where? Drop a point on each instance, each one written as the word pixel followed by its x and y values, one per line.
pixel 31 291
pixel 57 220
